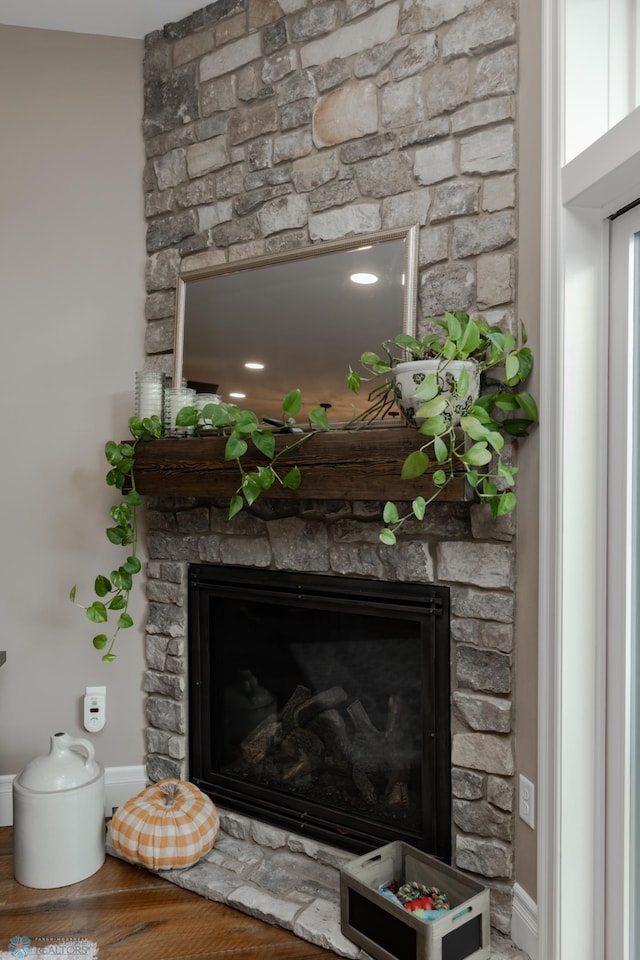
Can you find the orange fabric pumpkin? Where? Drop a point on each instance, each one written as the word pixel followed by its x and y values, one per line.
pixel 167 825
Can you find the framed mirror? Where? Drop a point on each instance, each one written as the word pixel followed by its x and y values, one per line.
pixel 252 331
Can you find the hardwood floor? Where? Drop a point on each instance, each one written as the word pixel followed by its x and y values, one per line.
pixel 131 913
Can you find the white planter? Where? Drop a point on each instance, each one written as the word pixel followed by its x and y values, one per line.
pixel 409 375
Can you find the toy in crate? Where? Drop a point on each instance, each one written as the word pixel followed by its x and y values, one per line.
pixel 397 903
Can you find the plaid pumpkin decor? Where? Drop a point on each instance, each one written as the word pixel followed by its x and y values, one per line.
pixel 168 825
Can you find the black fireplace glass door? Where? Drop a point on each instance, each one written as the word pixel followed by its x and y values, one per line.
pixel 316 703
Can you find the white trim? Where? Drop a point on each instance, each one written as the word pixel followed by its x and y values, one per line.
pixel 573 596
pixel 120 783
pixel 582 604
pixel 524 922
pixel 550 433
pixel 6 800
pixel 621 854
pixel 594 180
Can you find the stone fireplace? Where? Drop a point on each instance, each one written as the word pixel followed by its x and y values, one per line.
pixel 273 124
pixel 459 546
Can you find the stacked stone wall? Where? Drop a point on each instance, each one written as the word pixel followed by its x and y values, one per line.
pixel 275 124
pixel 457 546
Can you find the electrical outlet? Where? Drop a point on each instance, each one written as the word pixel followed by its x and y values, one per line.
pixel 527 802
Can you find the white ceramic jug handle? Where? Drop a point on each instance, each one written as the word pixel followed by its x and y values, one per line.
pixel 83 746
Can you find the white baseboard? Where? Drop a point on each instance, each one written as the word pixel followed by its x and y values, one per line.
pixel 6 801
pixel 524 922
pixel 120 783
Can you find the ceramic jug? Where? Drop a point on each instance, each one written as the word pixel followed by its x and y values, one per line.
pixel 58 815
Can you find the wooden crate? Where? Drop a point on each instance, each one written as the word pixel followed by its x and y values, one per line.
pixel 388 932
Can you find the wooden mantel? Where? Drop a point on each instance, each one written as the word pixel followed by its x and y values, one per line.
pixel 339 465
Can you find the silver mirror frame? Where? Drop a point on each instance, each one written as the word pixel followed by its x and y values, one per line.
pixel 409 307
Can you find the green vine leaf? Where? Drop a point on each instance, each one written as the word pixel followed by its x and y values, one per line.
pixel 353 381
pixel 235 447
pixel 251 487
pixel 528 405
pixel 414 465
pixel 292 479
pixel 506 504
pixel 318 416
pixel 246 422
pixel 390 513
pixel 97 612
pixel 428 389
pixel 478 455
pixel 440 449
pixel 112 452
pixel 266 477
pixel 265 442
pixel 121 579
pixel 115 535
pixel 292 403
pixel 433 426
pixel 102 586
pixel 473 428
pixel 132 565
pixel 419 507
pixel 512 368
pixel 433 408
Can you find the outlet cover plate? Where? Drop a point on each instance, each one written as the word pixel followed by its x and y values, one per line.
pixel 527 802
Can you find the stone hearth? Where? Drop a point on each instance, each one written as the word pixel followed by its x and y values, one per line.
pixel 283 879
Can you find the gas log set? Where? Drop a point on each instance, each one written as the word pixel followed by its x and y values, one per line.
pixel 311 734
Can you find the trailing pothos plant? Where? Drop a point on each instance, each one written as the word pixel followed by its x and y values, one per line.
pixel 244 430
pixel 113 591
pixel 475 446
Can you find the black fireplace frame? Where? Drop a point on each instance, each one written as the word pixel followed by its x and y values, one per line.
pixel 427 604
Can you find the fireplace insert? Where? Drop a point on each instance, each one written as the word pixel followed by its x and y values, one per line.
pixel 322 704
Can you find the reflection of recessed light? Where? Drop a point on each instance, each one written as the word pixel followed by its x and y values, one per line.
pixel 254 366
pixel 238 396
pixel 363 278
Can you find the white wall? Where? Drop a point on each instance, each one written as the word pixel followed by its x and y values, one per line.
pixel 72 257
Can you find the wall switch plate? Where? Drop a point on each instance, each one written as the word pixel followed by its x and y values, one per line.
pixel 95 708
pixel 527 802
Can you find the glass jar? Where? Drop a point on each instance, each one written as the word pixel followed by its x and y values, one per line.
pixel 202 399
pixel 175 399
pixel 149 399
